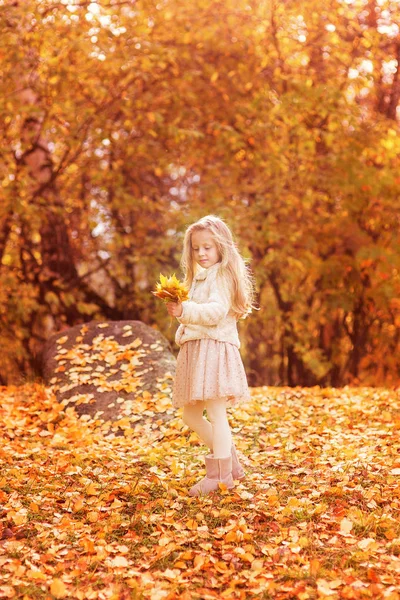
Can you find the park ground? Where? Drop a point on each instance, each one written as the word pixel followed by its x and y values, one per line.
pixel 86 513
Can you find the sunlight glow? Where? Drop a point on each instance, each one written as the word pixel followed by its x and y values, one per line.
pixel 363 93
pixel 94 8
pixel 353 73
pixel 105 20
pixel 389 67
pixel 391 30
pixel 366 66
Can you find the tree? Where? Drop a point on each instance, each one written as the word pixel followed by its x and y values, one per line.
pixel 124 122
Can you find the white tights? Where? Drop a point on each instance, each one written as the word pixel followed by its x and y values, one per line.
pixel 215 432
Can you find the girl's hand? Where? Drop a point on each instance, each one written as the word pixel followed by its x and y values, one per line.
pixel 175 309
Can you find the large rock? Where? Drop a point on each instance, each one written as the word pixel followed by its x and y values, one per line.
pixel 112 371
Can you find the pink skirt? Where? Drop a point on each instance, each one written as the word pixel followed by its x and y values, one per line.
pixel 207 369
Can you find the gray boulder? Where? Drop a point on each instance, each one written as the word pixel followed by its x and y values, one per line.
pixel 117 371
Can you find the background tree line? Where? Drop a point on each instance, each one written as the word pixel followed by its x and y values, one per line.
pixel 123 121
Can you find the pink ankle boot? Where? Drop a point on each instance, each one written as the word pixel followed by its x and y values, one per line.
pixel 237 469
pixel 218 470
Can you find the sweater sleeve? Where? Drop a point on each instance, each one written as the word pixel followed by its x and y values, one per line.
pixel 211 312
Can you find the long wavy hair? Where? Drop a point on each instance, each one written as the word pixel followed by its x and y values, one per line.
pixel 233 265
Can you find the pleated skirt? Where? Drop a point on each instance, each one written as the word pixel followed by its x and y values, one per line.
pixel 208 369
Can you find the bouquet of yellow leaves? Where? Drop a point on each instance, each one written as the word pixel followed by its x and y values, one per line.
pixel 170 289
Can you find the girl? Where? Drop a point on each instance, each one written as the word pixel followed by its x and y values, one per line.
pixel 210 372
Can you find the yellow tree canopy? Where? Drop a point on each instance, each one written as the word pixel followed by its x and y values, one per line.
pixel 121 122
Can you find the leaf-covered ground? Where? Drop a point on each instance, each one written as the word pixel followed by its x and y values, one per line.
pixel 89 515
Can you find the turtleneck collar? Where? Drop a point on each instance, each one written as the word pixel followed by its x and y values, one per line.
pixel 203 274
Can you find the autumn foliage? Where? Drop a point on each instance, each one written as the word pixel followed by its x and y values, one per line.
pixel 170 289
pixel 121 122
pixel 93 516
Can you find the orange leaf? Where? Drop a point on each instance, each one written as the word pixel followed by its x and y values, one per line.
pixel 221 566
pixel 88 545
pixel 231 536
pixel 34 507
pixel 247 557
pixel 180 564
pixel 314 566
pixel 198 561
pixel 273 500
pixel 58 588
pixel 188 555
pixel 372 575
pixel 78 505
pixel 390 534
pixel 93 516
pixel 91 490
pixel 191 524
pixel 35 574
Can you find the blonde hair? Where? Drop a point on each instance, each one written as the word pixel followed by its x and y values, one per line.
pixel 233 265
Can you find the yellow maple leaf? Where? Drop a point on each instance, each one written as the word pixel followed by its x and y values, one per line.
pixel 170 289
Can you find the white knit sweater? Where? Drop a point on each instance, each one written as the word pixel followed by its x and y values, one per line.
pixel 207 313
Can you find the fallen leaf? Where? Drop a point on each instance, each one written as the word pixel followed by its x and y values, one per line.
pixel 346 526
pixel 58 589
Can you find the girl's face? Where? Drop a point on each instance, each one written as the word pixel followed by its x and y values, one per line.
pixel 204 249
